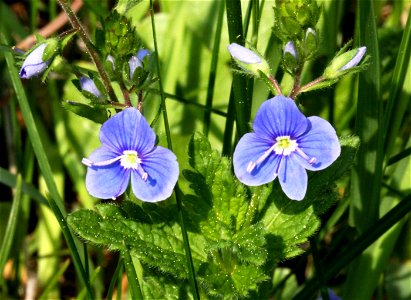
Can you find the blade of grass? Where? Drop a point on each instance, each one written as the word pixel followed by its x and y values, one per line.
pixel 55 201
pixel 178 193
pixel 367 172
pixel 115 278
pixel 235 33
pixel 400 89
pixel 134 285
pixel 11 225
pixel 10 180
pixel 213 69
pixel 54 280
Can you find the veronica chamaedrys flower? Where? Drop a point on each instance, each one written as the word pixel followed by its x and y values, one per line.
pixel 248 60
pixel 88 85
pixel 136 61
pixel 34 65
pixel 284 144
pixel 128 153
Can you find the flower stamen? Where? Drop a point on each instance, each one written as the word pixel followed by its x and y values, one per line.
pixel 310 160
pixel 129 160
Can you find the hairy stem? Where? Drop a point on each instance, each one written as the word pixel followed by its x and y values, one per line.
pixel 75 23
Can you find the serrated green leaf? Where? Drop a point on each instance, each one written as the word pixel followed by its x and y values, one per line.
pixel 158 245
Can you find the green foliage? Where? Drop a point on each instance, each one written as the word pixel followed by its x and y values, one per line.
pixel 236 234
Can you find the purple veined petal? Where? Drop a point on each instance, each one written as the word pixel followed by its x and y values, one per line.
pixel 356 59
pixel 293 178
pixel 142 53
pixel 279 116
pixel 34 65
pixel 162 169
pixel 319 142
pixel 249 149
pixel 128 130
pixel 133 64
pixel 243 54
pixel 88 85
pixel 109 181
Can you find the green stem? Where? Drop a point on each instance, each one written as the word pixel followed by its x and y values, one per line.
pixel 213 70
pixel 133 283
pixel 75 23
pixel 235 32
pixel 178 193
pixel 253 206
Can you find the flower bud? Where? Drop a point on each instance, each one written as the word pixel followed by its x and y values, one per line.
pixel 248 60
pixel 310 42
pixel 136 61
pixel 34 64
pixel 290 57
pixel 88 85
pixel 343 62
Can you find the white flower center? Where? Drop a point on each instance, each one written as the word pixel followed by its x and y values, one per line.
pixel 285 145
pixel 130 160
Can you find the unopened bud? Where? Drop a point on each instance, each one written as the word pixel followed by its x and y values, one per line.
pixel 248 60
pixel 344 62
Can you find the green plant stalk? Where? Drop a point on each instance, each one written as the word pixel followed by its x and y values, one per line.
pixel 235 32
pixel 190 264
pixel 318 268
pixel 213 69
pixel 114 278
pixel 54 280
pixel 75 23
pixel 367 171
pixel 135 289
pixel 55 201
pixel 11 225
pixel 356 247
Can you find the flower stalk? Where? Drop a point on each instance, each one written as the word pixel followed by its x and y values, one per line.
pixel 75 23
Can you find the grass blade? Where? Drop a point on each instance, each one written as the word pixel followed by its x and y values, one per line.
pixel 11 225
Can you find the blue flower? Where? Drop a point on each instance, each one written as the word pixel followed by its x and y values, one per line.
pixel 284 144
pixel 88 85
pixel 128 151
pixel 34 65
pixel 136 61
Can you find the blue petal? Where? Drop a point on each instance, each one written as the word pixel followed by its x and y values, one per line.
pixel 162 169
pixel 321 142
pixel 109 181
pixel 128 130
pixel 279 116
pixel 142 53
pixel 250 148
pixel 293 178
pixel 243 54
pixel 34 65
